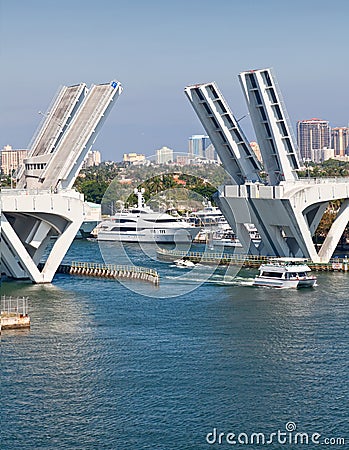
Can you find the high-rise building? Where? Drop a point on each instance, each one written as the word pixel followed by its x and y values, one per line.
pixel 93 158
pixel 197 145
pixel 321 155
pixel 211 154
pixel 11 159
pixel 164 155
pixel 312 135
pixel 340 141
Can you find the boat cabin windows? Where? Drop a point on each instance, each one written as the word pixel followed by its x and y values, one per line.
pixel 124 220
pixel 162 220
pixel 294 275
pixel 124 229
pixel 271 274
pixel 138 211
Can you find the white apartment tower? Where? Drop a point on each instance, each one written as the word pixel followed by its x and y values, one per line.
pixel 312 136
pixel 11 159
pixel 93 158
pixel 164 155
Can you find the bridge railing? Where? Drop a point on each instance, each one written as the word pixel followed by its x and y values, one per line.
pixel 37 191
pixel 14 305
pixel 322 180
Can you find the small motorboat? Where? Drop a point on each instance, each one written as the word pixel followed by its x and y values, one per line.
pixel 183 263
pixel 285 273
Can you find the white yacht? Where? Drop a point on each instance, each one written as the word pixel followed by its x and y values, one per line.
pixel 285 273
pixel 209 217
pixel 225 239
pixel 253 232
pixel 216 230
pixel 142 224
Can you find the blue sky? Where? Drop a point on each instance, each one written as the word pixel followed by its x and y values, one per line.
pixel 156 48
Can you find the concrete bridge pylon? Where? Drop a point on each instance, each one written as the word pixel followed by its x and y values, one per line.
pixel 44 206
pixel 285 209
pixel 287 215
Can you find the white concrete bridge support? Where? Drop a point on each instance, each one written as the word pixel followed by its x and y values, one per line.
pixel 287 215
pixel 28 222
pixel 44 205
pixel 287 210
pixel 337 229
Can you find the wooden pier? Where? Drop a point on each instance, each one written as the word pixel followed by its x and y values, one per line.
pixel 250 261
pixel 91 269
pixel 14 313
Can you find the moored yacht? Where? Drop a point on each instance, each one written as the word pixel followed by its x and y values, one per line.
pixel 285 273
pixel 225 239
pixel 209 217
pixel 142 224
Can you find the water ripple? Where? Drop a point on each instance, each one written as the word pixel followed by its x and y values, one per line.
pixel 105 368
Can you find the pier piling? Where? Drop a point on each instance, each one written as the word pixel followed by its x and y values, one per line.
pixel 110 271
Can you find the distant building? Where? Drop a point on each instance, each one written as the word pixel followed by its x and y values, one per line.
pixel 177 180
pixel 342 158
pixel 340 140
pixel 197 145
pixel 93 158
pixel 182 160
pixel 11 159
pixel 211 154
pixel 164 155
pixel 313 135
pixel 255 147
pixel 322 154
pixel 134 158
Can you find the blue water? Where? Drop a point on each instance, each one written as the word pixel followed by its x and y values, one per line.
pixel 105 367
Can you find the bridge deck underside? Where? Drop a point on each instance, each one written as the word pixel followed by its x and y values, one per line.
pixel 77 135
pixel 57 120
pixel 224 131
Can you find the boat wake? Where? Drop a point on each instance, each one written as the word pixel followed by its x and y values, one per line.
pixel 216 280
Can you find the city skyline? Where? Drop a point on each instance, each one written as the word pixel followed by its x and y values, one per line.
pixel 336 146
pixel 155 50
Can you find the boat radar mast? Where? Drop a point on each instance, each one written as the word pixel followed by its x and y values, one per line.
pixel 139 193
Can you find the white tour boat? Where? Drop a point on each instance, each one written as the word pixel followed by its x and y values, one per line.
pixel 285 273
pixel 142 224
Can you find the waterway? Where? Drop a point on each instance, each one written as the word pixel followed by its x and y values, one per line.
pixel 112 366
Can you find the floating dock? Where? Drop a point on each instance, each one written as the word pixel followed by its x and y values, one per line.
pixel 110 271
pixel 249 261
pixel 14 313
